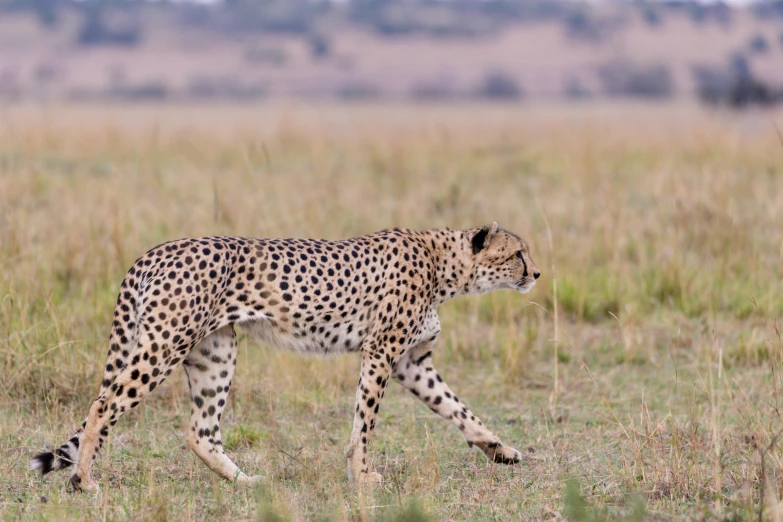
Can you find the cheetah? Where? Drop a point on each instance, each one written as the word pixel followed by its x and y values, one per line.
pixel 375 294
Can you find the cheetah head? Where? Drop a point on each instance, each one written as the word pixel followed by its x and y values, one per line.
pixel 501 260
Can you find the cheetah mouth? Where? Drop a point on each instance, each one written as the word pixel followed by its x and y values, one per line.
pixel 523 286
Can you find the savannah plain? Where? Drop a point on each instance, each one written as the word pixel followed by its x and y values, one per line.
pixel 641 378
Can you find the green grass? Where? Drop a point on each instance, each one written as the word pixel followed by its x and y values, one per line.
pixel 641 379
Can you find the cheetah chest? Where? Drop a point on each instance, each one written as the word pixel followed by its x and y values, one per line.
pixel 430 328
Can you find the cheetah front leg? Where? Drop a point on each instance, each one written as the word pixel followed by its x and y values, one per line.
pixel 416 373
pixel 375 373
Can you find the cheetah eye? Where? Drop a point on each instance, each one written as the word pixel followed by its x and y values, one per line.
pixel 519 255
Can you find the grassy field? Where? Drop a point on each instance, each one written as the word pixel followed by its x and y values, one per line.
pixel 640 379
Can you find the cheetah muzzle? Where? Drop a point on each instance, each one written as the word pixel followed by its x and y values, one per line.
pixel 376 295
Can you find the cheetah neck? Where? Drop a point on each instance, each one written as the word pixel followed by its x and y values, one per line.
pixel 451 253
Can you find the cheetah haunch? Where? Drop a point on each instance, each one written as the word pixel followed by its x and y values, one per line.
pixel 376 294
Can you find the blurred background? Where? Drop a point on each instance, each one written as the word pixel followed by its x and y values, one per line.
pixel 207 50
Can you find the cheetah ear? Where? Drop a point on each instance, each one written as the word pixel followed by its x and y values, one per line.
pixel 482 238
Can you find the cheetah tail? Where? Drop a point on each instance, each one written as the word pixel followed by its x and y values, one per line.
pixel 58 459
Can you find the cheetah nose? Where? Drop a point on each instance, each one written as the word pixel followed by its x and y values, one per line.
pixel 536 275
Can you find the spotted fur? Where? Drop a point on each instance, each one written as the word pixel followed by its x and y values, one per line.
pixel 376 295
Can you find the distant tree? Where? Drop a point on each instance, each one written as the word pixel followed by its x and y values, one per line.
pixel 277 16
pixel 358 90
pixel 433 90
pixel 723 14
pixel 758 44
pixel 713 84
pixel 579 25
pixel 651 15
pixel 697 12
pixel 734 85
pixel 497 85
pixel 622 78
pixel 9 86
pixel 223 88
pixel 267 55
pixel 320 46
pixel 46 11
pixel 452 19
pixel 573 89
pixel 95 31
pixel 768 9
pixel 45 73
pixel 152 91
pixel 739 67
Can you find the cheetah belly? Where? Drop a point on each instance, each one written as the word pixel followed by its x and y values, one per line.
pixel 267 332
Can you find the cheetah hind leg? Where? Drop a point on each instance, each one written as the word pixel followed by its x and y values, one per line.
pixel 210 367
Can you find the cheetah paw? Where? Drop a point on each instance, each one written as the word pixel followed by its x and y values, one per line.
pixel 83 486
pixel 498 452
pixel 506 455
pixel 249 481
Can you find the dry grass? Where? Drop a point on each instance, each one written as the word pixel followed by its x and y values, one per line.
pixel 666 254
